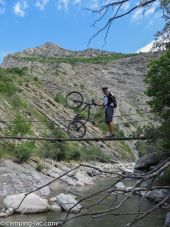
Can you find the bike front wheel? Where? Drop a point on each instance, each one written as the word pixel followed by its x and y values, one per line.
pixel 76 129
pixel 74 99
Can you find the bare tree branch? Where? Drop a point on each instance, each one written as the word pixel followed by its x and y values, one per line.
pixel 103 10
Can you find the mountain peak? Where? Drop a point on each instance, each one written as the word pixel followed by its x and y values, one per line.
pixel 50 49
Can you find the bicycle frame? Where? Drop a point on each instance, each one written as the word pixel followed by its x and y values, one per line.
pixel 78 116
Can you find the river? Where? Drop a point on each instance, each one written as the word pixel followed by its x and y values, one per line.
pixel 156 219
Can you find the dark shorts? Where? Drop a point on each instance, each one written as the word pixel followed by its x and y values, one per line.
pixel 109 114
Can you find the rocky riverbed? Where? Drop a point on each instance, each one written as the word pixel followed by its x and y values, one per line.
pixel 17 179
pixel 20 178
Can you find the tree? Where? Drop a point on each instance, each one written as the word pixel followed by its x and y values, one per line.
pixel 158 80
pixel 115 9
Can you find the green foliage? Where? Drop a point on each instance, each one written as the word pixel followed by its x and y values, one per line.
pixel 7 86
pixel 9 79
pixel 17 71
pixel 39 167
pixel 102 59
pixel 164 179
pixel 93 153
pixel 60 98
pixel 141 147
pixel 24 150
pixel 158 81
pixel 126 124
pixel 19 127
pixel 125 150
pixel 120 133
pixel 100 120
pixel 61 151
pixel 36 78
pixel 17 102
pixel 70 150
pixel 6 149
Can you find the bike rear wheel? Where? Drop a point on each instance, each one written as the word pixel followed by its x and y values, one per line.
pixel 76 129
pixel 74 99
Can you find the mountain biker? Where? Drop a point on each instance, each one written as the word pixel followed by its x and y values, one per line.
pixel 109 103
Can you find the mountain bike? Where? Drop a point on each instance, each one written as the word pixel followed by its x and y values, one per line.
pixel 77 127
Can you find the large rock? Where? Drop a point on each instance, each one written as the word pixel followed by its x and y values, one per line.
pixel 67 201
pixel 167 220
pixel 16 179
pixel 9 211
pixel 31 204
pixel 148 160
pixel 120 185
pixel 83 178
pixel 3 215
pixel 157 195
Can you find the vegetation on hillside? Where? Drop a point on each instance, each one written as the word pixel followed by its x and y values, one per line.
pixel 20 125
pixel 102 59
pixel 11 82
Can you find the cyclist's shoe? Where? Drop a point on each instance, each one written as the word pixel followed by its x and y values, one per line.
pixel 93 123
pixel 111 136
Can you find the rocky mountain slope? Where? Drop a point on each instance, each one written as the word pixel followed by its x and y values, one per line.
pixel 51 49
pixel 52 71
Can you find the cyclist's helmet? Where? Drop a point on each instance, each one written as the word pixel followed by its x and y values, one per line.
pixel 104 88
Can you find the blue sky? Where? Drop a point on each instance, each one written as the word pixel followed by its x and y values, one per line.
pixel 30 23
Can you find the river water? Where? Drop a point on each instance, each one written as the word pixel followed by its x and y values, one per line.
pixel 154 220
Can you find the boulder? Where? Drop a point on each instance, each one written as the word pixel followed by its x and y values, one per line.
pixel 3 215
pixel 9 211
pixel 167 220
pixel 83 178
pixel 146 161
pixel 120 185
pixel 55 207
pixel 67 201
pixel 31 204
pixel 92 172
pixel 157 195
pixel 14 179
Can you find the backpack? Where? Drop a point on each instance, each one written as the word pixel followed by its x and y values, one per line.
pixel 112 99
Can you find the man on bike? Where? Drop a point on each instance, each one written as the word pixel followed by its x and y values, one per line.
pixel 109 103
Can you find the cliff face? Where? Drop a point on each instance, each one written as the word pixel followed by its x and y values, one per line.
pixel 59 75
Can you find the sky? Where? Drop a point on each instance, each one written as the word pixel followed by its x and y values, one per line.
pixel 30 23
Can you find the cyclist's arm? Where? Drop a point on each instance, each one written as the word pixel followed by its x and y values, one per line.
pixel 99 104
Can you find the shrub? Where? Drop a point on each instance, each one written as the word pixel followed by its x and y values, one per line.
pixel 126 124
pixel 17 71
pixel 61 151
pixel 24 150
pixel 164 179
pixel 60 98
pixel 6 149
pixel 70 150
pixel 93 153
pixel 39 167
pixel 16 101
pixel 125 150
pixel 36 78
pixel 7 85
pixel 20 126
pixel 120 133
